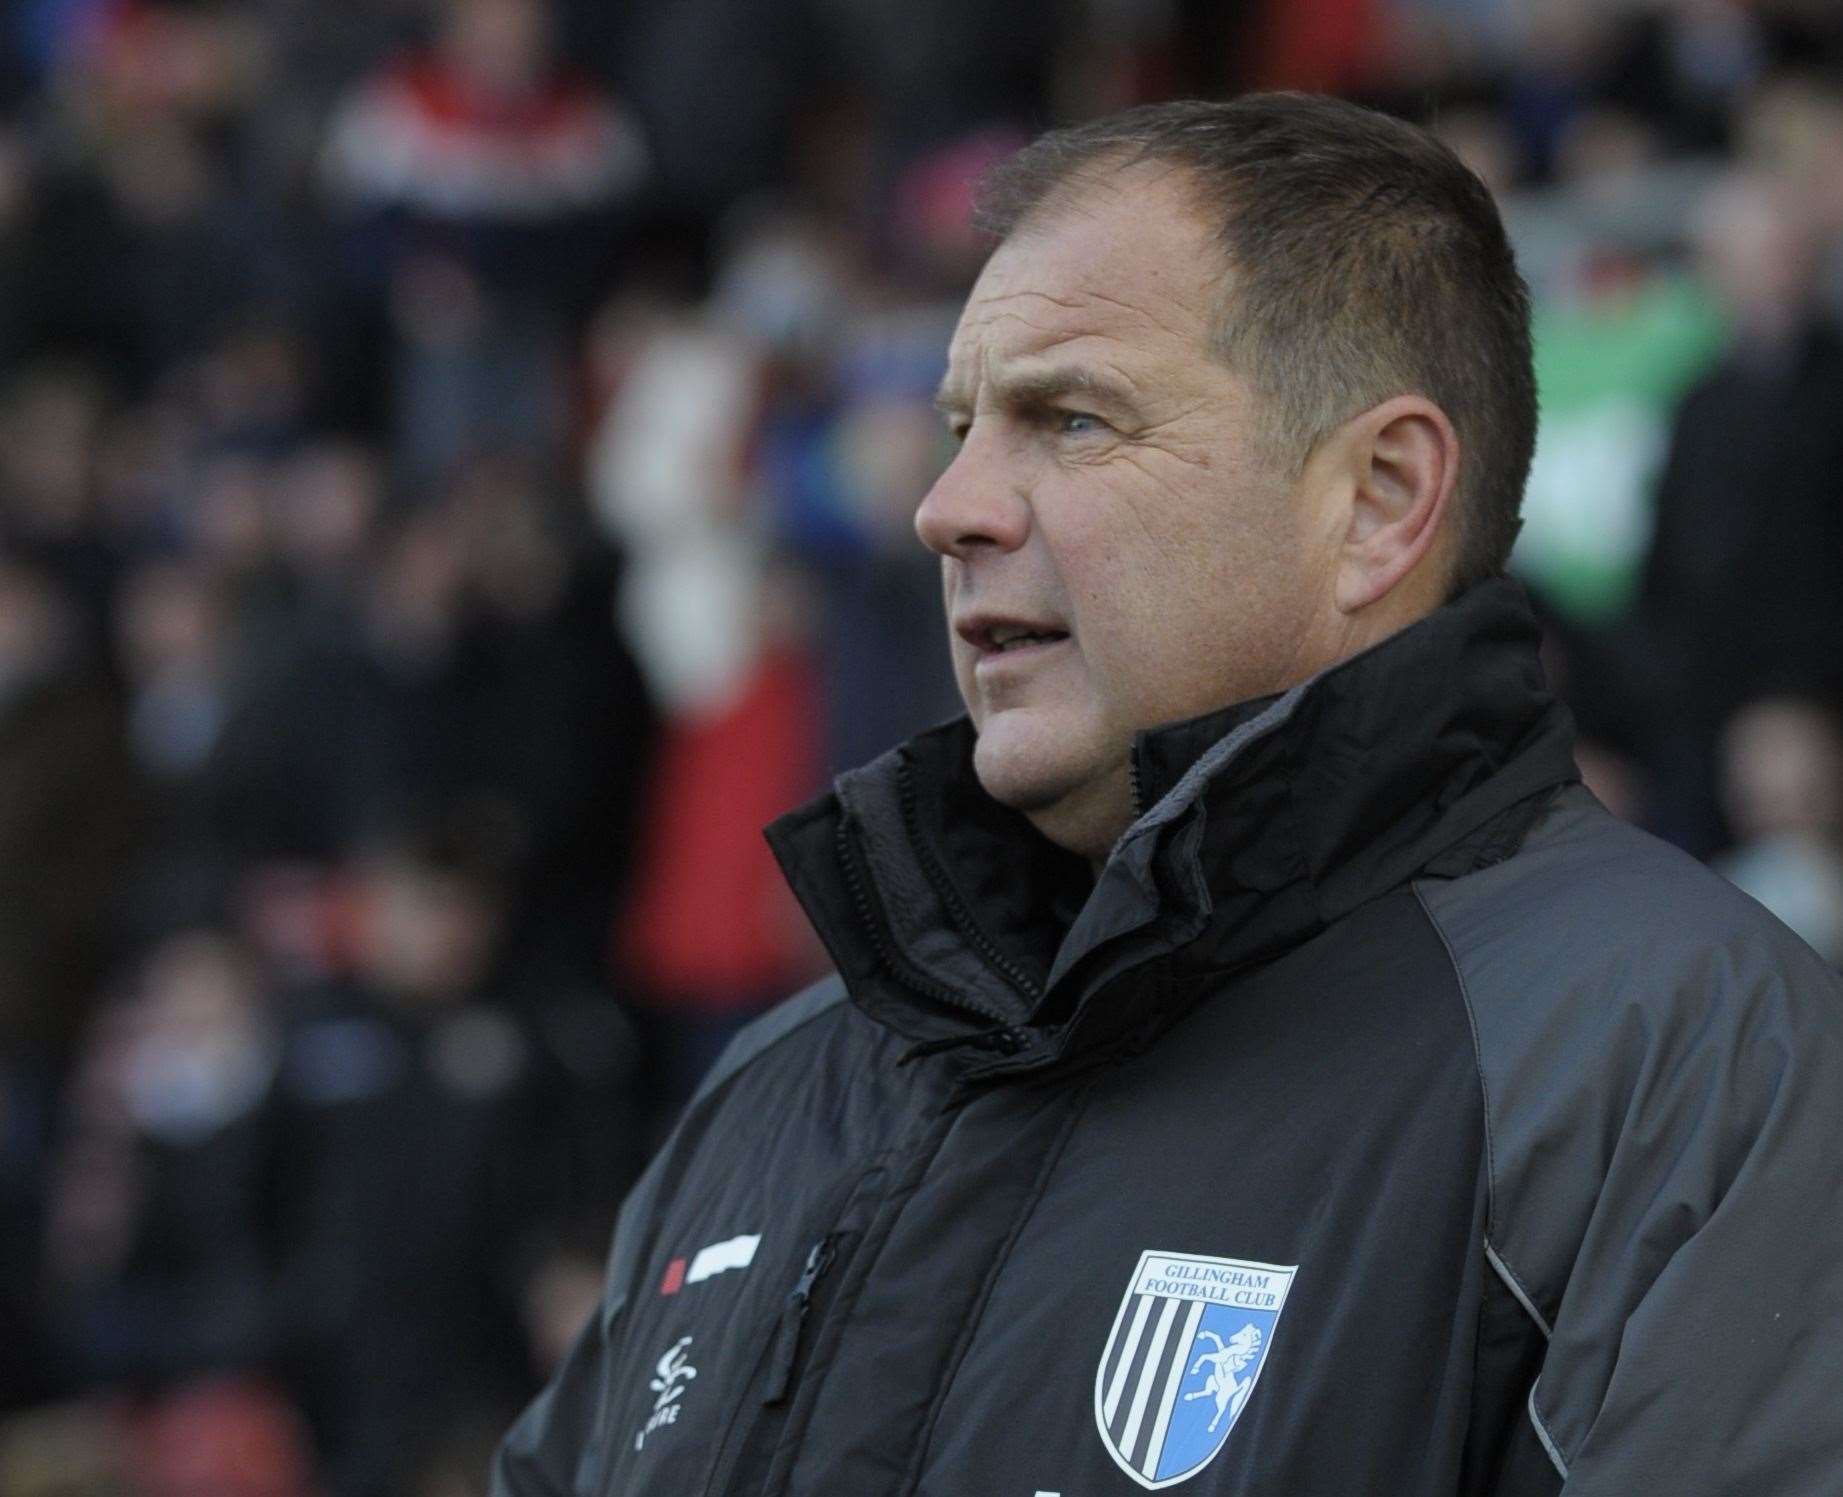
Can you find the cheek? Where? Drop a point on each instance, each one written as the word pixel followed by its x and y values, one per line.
pixel 1140 656
pixel 1134 606
pixel 1186 642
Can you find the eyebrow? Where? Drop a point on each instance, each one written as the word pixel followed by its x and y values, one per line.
pixel 1040 387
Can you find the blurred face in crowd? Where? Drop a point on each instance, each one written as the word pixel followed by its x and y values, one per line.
pixel 168 621
pixel 427 934
pixel 1755 250
pixel 1119 546
pixel 35 627
pixel 1782 770
pixel 199 989
pixel 500 45
pixel 326 500
pixel 49 427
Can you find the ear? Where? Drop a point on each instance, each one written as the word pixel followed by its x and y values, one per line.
pixel 1402 464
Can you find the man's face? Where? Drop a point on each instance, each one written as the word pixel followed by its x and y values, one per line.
pixel 1118 547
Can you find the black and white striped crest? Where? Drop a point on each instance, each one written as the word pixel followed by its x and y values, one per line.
pixel 1188 1343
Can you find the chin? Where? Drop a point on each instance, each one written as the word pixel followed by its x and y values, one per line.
pixel 1027 771
pixel 1080 801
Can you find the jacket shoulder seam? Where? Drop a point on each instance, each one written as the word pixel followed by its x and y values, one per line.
pixel 1549 1446
pixel 1499 1264
pixel 1478 1065
pixel 779 1024
pixel 1518 1290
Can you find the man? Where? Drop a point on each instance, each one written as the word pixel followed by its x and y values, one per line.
pixel 1249 969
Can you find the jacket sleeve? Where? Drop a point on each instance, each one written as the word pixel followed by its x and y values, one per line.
pixel 1697 1343
pixel 547 1452
pixel 1662 1066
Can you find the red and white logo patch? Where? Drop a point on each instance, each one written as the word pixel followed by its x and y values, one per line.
pixel 708 1262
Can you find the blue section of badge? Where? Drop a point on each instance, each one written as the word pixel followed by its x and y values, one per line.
pixel 1221 1362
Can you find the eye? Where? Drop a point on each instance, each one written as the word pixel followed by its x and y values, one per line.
pixel 1078 423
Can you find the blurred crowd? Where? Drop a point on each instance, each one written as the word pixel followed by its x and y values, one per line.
pixel 456 468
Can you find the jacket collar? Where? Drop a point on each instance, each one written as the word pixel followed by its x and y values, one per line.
pixel 950 917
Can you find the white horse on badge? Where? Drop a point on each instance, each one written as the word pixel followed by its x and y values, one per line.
pixel 1225 1363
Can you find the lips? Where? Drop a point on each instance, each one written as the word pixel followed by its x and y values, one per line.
pixel 993 635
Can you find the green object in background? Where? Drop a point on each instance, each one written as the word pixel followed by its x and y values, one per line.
pixel 1610 372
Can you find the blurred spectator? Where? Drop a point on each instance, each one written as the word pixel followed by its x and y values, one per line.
pixel 1740 595
pixel 552 744
pixel 440 1137
pixel 669 480
pixel 173 649
pixel 25 1374
pixel 1622 332
pixel 477 670
pixel 67 1450
pixel 161 1231
pixel 328 497
pixel 51 421
pixel 559 1299
pixel 1792 131
pixel 716 82
pixel 1329 46
pixel 374 1193
pixel 847 435
pixel 328 726
pixel 933 73
pixel 143 237
pixel 226 1436
pixel 483 180
pixel 710 935
pixel 68 813
pixel 1782 790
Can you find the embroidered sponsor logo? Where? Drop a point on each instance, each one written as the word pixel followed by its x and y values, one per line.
pixel 670 1374
pixel 1188 1343
pixel 719 1257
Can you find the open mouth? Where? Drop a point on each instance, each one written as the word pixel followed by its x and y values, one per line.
pixel 993 638
pixel 1005 642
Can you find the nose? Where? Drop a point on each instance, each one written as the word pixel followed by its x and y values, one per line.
pixel 977 505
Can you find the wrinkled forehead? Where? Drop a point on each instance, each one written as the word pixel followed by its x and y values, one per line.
pixel 1124 270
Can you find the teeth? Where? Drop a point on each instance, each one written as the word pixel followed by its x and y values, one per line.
pixel 1003 640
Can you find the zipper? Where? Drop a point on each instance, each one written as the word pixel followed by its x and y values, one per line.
pixel 1007 1041
pixel 793 1319
pixel 749 1441
pixel 878 929
pixel 1026 985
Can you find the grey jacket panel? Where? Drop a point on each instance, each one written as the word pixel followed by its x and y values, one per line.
pixel 1663 1071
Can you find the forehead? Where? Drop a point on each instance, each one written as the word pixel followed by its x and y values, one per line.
pixel 1122 272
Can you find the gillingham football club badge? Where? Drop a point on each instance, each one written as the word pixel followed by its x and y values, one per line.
pixel 1187 1346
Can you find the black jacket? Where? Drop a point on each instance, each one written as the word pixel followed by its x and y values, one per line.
pixel 1495 1139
